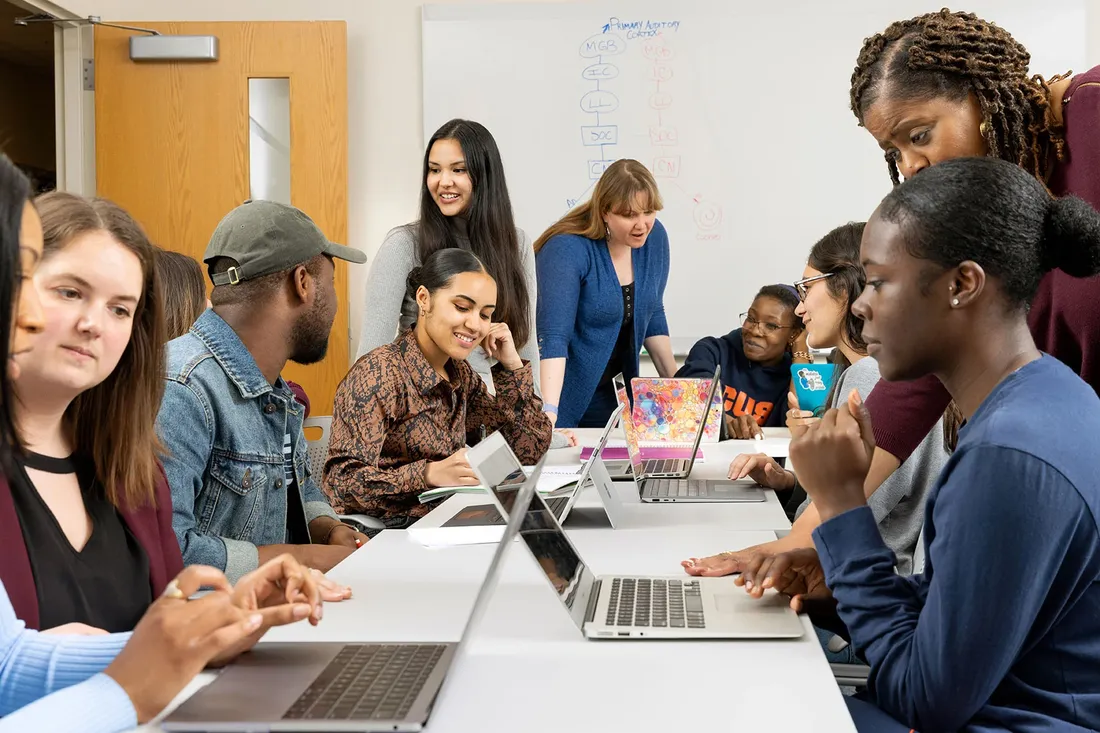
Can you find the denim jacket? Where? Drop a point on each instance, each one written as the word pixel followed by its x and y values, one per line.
pixel 222 425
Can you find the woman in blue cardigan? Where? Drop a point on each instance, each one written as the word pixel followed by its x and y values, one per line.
pixel 602 271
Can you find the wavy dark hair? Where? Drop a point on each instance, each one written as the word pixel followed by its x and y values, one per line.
pixel 15 192
pixel 490 224
pixel 838 253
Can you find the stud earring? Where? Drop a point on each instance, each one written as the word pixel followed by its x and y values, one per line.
pixel 954 301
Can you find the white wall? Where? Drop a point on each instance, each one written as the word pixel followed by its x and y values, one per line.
pixel 384 97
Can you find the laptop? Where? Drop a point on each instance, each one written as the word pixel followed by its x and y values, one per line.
pixel 492 467
pixel 318 686
pixel 639 607
pixel 656 468
pixel 667 480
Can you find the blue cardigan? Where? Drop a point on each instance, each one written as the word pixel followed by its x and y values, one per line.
pixel 580 309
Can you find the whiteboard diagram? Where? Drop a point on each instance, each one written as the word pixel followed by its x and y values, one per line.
pixel 740 110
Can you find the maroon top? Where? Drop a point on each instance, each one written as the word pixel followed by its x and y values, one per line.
pixel 150 525
pixel 1065 314
pixel 299 394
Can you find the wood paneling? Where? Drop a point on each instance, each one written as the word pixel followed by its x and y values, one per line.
pixel 172 143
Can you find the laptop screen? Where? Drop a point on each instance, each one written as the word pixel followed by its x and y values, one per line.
pixel 539 529
pixel 631 434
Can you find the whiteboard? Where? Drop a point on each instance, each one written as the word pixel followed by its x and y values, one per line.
pixel 739 109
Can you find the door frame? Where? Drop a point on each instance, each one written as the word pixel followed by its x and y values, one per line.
pixel 74 108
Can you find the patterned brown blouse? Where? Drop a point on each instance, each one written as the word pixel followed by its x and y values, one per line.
pixel 394 414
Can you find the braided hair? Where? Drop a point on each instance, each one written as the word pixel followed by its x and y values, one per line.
pixel 948 54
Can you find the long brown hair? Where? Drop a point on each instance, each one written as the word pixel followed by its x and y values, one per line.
pixel 615 192
pixel 113 423
pixel 182 290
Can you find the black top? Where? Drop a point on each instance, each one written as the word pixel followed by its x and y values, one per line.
pixel 105 585
pixel 622 358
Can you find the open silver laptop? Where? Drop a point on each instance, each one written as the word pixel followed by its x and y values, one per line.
pixel 318 686
pixel 492 468
pixel 667 480
pixel 657 468
pixel 640 607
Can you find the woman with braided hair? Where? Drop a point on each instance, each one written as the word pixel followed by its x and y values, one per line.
pixel 950 85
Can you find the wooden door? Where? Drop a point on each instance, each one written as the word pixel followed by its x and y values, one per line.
pixel 172 143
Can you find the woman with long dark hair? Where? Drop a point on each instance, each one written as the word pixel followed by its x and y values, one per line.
pixel 464 204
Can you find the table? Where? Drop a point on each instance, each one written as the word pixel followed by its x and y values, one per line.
pixel 767 515
pixel 555 679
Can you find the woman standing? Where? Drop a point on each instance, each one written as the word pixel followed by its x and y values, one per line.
pixel 602 273
pixel 464 203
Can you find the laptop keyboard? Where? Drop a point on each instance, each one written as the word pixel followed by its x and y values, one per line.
pixel 665 488
pixel 667 465
pixel 368 682
pixel 656 603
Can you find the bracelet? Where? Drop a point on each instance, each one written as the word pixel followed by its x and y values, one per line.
pixel 802 355
pixel 547 407
pixel 328 535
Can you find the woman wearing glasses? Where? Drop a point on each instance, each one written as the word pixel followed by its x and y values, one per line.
pixel 832 281
pixel 755 360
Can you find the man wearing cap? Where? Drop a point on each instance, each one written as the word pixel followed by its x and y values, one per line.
pixel 236 460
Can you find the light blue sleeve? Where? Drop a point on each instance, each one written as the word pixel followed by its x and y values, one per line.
pixel 53 682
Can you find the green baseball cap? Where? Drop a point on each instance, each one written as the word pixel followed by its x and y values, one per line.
pixel 265 237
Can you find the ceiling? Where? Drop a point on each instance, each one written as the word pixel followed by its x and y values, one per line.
pixel 28 46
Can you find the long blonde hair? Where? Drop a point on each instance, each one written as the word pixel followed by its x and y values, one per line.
pixel 615 192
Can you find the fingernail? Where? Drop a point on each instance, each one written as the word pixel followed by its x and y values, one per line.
pixel 255 620
pixel 748 584
pixel 320 612
pixel 301 611
pixel 767 583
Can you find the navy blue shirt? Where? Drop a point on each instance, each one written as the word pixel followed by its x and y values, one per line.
pixel 1002 630
pixel 748 388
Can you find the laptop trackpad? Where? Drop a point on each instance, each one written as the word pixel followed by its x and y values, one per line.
pixel 260 686
pixel 738 603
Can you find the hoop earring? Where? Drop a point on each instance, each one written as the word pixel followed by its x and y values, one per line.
pixel 984 128
pixel 606 232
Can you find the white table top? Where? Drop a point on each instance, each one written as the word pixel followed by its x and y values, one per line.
pixel 557 680
pixel 406 592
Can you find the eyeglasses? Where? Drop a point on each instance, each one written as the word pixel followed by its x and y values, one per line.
pixel 748 321
pixel 802 286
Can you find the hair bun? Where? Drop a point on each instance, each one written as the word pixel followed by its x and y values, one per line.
pixel 1071 237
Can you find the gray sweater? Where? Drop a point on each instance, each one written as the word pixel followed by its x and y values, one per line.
pixel 898 504
pixel 386 291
